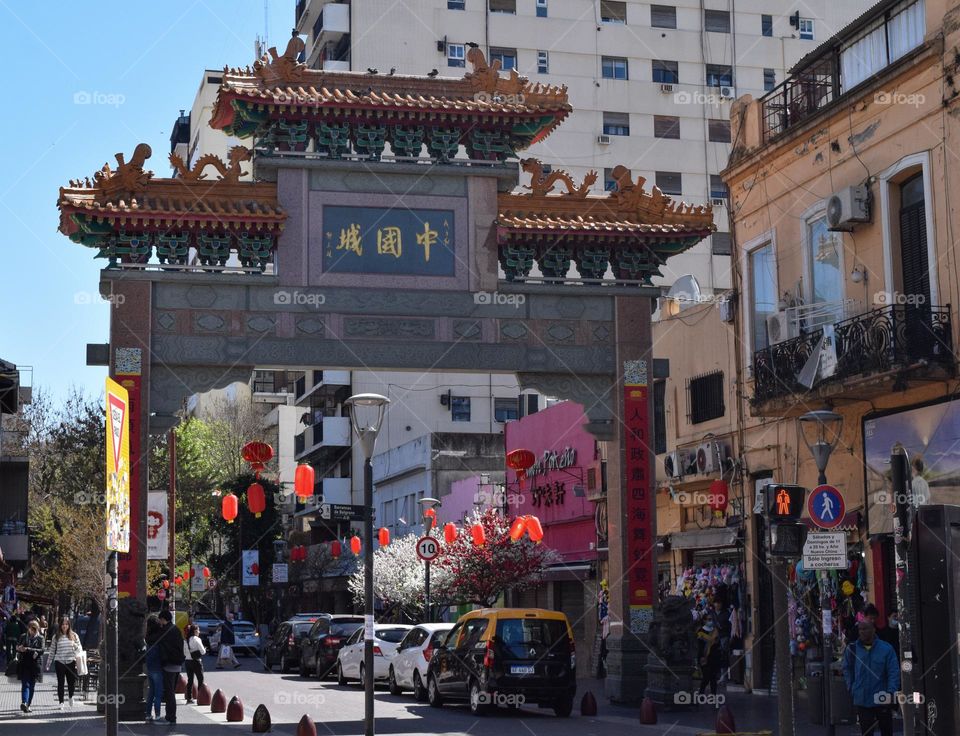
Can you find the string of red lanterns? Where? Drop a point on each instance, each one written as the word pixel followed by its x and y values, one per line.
pixel 520 461
pixel 257 454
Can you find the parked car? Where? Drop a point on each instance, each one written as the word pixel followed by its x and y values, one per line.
pixel 386 637
pixel 307 616
pixel 506 656
pixel 207 623
pixel 283 648
pixel 408 665
pixel 318 650
pixel 247 639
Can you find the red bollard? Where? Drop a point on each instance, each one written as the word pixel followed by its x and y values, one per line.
pixel 306 727
pixel 204 696
pixel 261 719
pixel 588 704
pixel 219 702
pixel 234 709
pixel 181 687
pixel 648 712
pixel 725 722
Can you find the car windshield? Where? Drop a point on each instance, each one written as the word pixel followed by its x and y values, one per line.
pixel 523 638
pixel 344 628
pixel 301 629
pixel 391 635
pixel 243 628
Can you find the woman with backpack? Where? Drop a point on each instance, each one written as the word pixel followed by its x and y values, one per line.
pixel 154 664
pixel 29 651
pixel 193 650
pixel 63 652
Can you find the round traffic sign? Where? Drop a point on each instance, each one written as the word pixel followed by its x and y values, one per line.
pixel 826 507
pixel 428 549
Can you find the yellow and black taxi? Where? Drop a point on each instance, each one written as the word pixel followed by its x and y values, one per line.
pixel 506 657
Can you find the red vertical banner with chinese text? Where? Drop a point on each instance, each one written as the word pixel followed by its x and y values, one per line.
pixel 640 535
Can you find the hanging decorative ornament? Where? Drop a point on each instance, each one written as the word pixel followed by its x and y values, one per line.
pixel 383 536
pixel 336 549
pixel 520 461
pixel 178 580
pixel 206 572
pixel 534 529
pixel 303 480
pixel 256 499
pixel 229 507
pixel 166 583
pixel 478 534
pixel 450 532
pixel 257 454
pixel 517 528
pixel 355 545
pixel 719 494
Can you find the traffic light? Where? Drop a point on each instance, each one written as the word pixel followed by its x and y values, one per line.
pixel 784 502
pixel 787 540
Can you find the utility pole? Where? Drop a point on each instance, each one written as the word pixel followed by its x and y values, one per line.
pixel 172 516
pixel 111 684
pixel 905 586
pixel 786 707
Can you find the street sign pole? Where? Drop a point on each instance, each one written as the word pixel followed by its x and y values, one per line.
pixel 111 684
pixel 426 594
pixel 906 594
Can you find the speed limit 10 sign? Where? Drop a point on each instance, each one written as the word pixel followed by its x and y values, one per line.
pixel 428 549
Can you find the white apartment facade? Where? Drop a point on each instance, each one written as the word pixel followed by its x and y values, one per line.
pixel 650 84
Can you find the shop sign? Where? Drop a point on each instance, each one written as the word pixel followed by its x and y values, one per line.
pixel 555 460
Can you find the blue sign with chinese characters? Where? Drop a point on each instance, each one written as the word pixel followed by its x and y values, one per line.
pixel 388 240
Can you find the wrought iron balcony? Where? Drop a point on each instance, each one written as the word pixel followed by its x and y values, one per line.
pixel 884 340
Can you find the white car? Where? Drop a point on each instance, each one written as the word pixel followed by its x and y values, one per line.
pixel 408 666
pixel 386 637
pixel 246 635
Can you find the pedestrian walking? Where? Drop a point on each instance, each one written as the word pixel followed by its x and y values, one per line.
pixel 711 657
pixel 29 652
pixel 154 663
pixel 12 632
pixel 62 654
pixel 171 656
pixel 227 642
pixel 872 674
pixel 193 650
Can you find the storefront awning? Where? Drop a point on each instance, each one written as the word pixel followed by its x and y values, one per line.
pixel 704 538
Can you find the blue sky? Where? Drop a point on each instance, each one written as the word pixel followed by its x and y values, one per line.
pixel 139 63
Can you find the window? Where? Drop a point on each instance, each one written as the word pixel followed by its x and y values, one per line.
pixel 716 21
pixel 541 8
pixel 706 397
pixel 663 16
pixel 614 67
pixel 456 54
pixel 666 126
pixel 915 271
pixel 762 267
pixel 720 244
pixel 823 257
pixel 882 45
pixel 659 417
pixel 718 131
pixel 719 75
pixel 503 6
pixel 505 410
pixel 613 11
pixel 766 25
pixel 616 123
pixel 543 62
pixel 769 79
pixel 718 190
pixel 506 57
pixel 460 408
pixel 669 182
pixel 806 29
pixel 609 183
pixel 665 72
pixel 456 5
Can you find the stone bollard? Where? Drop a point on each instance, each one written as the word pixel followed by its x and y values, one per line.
pixel 261 719
pixel 648 712
pixel 204 696
pixel 218 704
pixel 588 704
pixel 306 727
pixel 725 723
pixel 234 710
pixel 181 687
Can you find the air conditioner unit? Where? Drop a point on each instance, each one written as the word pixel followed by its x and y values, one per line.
pixel 603 139
pixel 718 201
pixel 781 327
pixel 848 207
pixel 678 464
pixel 666 88
pixel 712 457
pixel 728 93
pixel 726 309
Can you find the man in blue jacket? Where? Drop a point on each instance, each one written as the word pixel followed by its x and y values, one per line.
pixel 872 673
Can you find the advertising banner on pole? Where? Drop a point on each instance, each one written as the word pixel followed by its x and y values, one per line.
pixel 118 468
pixel 158 542
pixel 198 583
pixel 251 567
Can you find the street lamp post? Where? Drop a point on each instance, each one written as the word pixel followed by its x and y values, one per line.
pixel 821 431
pixel 367 427
pixel 428 520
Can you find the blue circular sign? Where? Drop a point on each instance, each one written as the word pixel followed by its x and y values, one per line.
pixel 826 507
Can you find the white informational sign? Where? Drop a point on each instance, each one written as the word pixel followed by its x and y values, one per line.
pixel 827 620
pixel 368 627
pixel 158 543
pixel 251 567
pixel 198 583
pixel 825 551
pixel 280 572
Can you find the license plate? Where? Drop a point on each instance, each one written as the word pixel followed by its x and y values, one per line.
pixel 521 669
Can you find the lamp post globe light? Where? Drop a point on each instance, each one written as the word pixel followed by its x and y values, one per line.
pixel 366 416
pixel 429 520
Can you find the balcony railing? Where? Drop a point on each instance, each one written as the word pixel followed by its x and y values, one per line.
pixel 800 96
pixel 878 341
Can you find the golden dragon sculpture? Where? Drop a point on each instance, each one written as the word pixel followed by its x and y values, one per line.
pixel 231 173
pixel 542 184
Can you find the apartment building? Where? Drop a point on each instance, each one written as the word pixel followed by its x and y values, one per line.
pixel 650 84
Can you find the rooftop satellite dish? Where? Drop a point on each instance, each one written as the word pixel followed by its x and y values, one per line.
pixel 685 292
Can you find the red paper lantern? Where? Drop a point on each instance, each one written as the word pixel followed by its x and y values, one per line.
pixel 229 506
pixel 520 461
pixel 355 545
pixel 256 499
pixel 255 568
pixel 336 549
pixel 206 572
pixel 479 536
pixel 166 583
pixel 383 536
pixel 517 528
pixel 534 529
pixel 257 454
pixel 188 573
pixel 178 580
pixel 450 532
pixel 719 494
pixel 303 480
